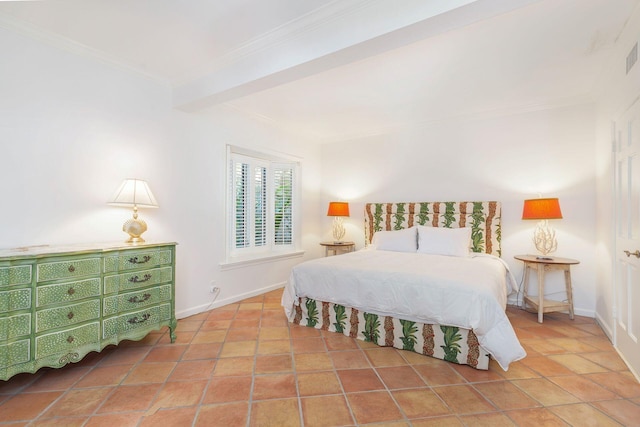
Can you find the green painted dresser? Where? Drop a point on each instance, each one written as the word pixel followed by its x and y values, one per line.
pixel 59 303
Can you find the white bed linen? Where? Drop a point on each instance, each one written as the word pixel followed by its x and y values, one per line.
pixel 468 292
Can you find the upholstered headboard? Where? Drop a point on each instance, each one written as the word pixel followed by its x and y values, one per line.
pixel 482 217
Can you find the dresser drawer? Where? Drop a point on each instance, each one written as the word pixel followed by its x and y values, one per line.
pixel 67 292
pixel 137 279
pixel 136 300
pixel 15 326
pixel 15 275
pixel 17 299
pixel 68 315
pixel 68 269
pixel 15 353
pixel 137 259
pixel 68 341
pixel 140 319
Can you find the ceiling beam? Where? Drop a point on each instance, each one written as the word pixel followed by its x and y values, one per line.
pixel 344 32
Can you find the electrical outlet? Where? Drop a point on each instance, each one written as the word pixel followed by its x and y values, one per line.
pixel 213 288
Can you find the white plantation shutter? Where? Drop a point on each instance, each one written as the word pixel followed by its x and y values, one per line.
pixel 262 205
pixel 283 204
pixel 241 217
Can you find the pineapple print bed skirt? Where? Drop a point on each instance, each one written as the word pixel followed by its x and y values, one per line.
pixel 448 343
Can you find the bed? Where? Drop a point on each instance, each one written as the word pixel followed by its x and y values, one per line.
pixel 429 280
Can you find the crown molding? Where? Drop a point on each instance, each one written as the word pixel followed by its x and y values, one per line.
pixel 64 43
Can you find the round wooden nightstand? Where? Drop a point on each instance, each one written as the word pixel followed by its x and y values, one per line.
pixel 541 265
pixel 338 247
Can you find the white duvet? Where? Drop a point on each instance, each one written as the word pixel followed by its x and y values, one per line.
pixel 467 292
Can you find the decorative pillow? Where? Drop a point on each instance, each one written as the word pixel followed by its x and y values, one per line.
pixel 444 241
pixel 405 240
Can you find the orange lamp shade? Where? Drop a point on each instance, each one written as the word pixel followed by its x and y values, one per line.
pixel 541 209
pixel 338 209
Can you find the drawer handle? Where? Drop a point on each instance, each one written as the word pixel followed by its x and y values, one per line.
pixel 71 291
pixel 71 269
pixel 143 319
pixel 135 260
pixel 70 339
pixel 136 279
pixel 70 315
pixel 135 299
pixel 635 254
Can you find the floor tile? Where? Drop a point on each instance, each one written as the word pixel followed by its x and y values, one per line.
pixel 623 411
pixel 582 388
pixel 130 398
pixel 463 399
pixel 130 419
pixel 350 359
pixel 535 418
pixel 582 414
pixel 387 356
pixel 326 411
pixel 192 370
pixel 397 377
pixel 277 386
pixel 373 407
pixel 224 414
pixel 312 362
pixel 104 376
pixel 545 392
pixel 505 396
pixel 275 413
pixel 318 383
pixel 149 373
pixel 78 402
pixel 359 380
pixel 27 406
pixel 420 403
pixel 228 389
pixel 487 420
pixel 623 385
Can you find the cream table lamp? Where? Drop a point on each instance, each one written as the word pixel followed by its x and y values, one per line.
pixel 137 194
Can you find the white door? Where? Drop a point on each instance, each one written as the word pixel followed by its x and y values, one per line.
pixel 627 151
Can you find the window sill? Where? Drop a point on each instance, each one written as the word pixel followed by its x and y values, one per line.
pixel 259 259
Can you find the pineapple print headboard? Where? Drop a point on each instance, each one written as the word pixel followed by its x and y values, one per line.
pixel 482 217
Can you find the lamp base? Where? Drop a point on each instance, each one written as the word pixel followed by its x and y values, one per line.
pixel 338 229
pixel 134 228
pixel 544 237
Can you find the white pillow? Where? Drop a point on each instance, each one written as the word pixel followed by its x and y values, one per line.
pixel 405 240
pixel 444 241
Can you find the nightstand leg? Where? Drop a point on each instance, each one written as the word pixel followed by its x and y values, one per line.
pixel 540 292
pixel 526 286
pixel 567 282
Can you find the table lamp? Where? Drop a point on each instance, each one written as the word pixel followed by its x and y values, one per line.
pixel 137 194
pixel 544 237
pixel 338 210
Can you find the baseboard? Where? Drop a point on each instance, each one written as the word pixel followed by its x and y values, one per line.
pixel 635 374
pixel 230 300
pixel 606 328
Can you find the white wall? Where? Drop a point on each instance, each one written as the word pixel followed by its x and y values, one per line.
pixel 617 91
pixel 71 128
pixel 507 158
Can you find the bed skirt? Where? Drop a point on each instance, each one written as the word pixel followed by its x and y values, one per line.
pixel 448 343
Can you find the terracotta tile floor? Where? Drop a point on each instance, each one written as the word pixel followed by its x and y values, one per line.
pixel 244 365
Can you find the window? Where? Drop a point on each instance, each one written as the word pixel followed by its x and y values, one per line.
pixel 262 205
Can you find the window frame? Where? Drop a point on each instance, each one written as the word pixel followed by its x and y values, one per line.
pixel 260 253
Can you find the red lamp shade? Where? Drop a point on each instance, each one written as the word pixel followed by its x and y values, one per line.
pixel 338 209
pixel 541 209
